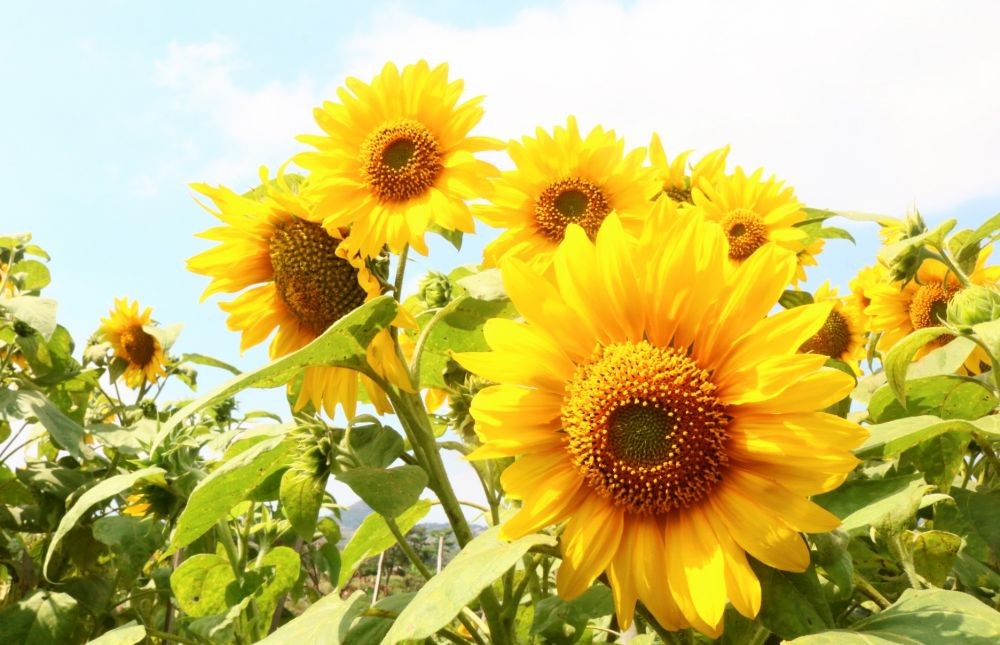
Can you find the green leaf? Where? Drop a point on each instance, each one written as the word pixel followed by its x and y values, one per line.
pixel 65 433
pixel 373 537
pixel 989 334
pixel 933 553
pixel 165 336
pixel 453 237
pixel 201 359
pixel 888 439
pixel 371 630
pixel 128 634
pixel 388 492
pixel 890 502
pixel 38 313
pixel 940 458
pixel 45 618
pixel 794 298
pixel 228 485
pixel 132 540
pixel 374 444
pixel 947 397
pixel 973 515
pixel 897 360
pixel 286 565
pixel 888 254
pixel 792 604
pixel 942 360
pixel 31 275
pixel 105 489
pixel 342 345
pixel 326 622
pixel 200 584
pixel 476 566
pixel 562 622
pixel 927 616
pixel 301 495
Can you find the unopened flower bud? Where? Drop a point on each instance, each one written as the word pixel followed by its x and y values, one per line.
pixel 974 304
pixel 434 289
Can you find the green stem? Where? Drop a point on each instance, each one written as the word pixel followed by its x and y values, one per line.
pixel 945 257
pixel 407 548
pixel 155 633
pixel 224 536
pixel 870 591
pixel 418 348
pixel 987 450
pixel 760 635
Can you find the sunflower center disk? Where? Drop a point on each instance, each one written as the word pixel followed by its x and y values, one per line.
pixel 929 304
pixel 570 201
pixel 316 285
pixel 832 339
pixel 400 160
pixel 745 231
pixel 645 427
pixel 679 195
pixel 137 345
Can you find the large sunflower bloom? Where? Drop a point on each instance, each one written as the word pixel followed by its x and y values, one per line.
pixel 301 279
pixel 673 176
pixel 560 179
pixel 140 350
pixel 842 336
pixel 898 309
pixel 754 212
pixel 396 158
pixel 671 448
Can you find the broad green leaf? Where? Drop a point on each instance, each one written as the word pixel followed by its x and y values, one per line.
pixel 128 634
pixel 970 243
pixel 37 313
pixel 974 516
pixel 201 359
pixel 388 492
pixel 476 566
pixel 486 284
pixel 947 397
pixel 31 275
pixel 105 489
pixel 933 553
pixel 897 360
pixel 301 495
pixel 875 502
pixel 989 333
pixel 940 458
pixel 286 565
pixel 373 537
pixel 165 336
pixel 326 622
pixel 228 485
pixel 928 616
pixel 200 584
pixel 45 618
pixel 792 604
pixel 893 437
pixel 342 345
pixel 65 433
pixel 562 622
pixel 132 540
pixel 795 298
pixel 453 237
pixel 887 254
pixel 370 630
pixel 942 360
pixel 374 444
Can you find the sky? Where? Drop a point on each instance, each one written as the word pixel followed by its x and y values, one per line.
pixel 112 107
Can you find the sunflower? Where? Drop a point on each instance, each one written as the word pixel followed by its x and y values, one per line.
pixel 898 309
pixel 396 159
pixel 861 288
pixel 301 280
pixel 670 448
pixel 673 175
pixel 141 351
pixel 563 178
pixel 842 336
pixel 754 212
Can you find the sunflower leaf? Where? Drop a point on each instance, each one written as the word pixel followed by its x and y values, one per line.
pixel 326 622
pixel 373 537
pixel 388 492
pixel 947 397
pixel 897 361
pixel 792 604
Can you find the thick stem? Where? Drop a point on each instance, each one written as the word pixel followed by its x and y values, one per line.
pixel 225 537
pixel 867 589
pixel 407 548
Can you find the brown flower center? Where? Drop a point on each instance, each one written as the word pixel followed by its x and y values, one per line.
pixel 400 160
pixel 318 286
pixel 645 427
pixel 833 339
pixel 137 346
pixel 929 304
pixel 570 201
pixel 679 195
pixel 745 231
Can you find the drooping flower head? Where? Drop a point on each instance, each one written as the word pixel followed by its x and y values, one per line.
pixel 842 336
pixel 301 280
pixel 560 179
pixel 662 415
pixel 753 212
pixel 396 158
pixel 141 350
pixel 673 175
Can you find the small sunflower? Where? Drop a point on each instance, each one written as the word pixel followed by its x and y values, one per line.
pixel 842 336
pixel 560 179
pixel 141 351
pixel 302 279
pixel 673 175
pixel 396 159
pixel 861 288
pixel 669 447
pixel 753 212
pixel 898 309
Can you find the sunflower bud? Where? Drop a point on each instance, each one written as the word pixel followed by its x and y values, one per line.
pixel 974 304
pixel 434 289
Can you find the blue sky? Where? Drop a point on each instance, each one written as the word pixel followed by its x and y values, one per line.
pixel 111 108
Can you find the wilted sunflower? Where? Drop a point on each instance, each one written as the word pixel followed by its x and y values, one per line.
pixel 842 336
pixel 562 179
pixel 396 158
pixel 671 448
pixel 673 175
pixel 753 212
pixel 898 309
pixel 140 349
pixel 305 281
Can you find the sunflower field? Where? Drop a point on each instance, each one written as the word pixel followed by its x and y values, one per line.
pixel 676 440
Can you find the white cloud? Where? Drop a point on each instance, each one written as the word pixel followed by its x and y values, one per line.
pixel 862 106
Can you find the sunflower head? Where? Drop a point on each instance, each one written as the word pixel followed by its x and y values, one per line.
pixel 296 278
pixel 562 179
pixel 395 159
pixel 673 174
pixel 153 498
pixel 127 329
pixel 842 334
